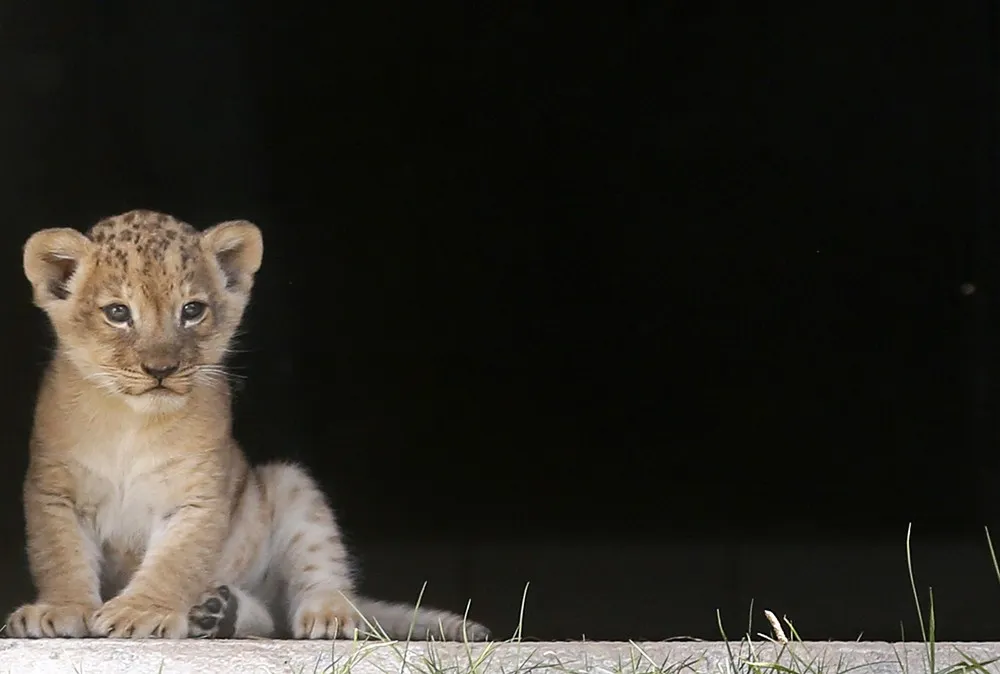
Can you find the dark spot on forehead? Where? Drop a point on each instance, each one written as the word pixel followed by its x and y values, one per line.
pixel 153 252
pixel 149 234
pixel 145 221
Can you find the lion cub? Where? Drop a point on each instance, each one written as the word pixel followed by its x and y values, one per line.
pixel 143 516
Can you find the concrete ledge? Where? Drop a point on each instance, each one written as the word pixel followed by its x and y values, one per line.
pixel 101 656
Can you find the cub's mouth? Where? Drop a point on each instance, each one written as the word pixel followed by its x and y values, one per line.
pixel 159 389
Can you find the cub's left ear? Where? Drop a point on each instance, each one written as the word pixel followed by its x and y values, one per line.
pixel 238 247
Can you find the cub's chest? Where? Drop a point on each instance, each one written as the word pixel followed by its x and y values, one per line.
pixel 123 486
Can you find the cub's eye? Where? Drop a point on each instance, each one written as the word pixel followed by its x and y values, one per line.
pixel 118 314
pixel 192 311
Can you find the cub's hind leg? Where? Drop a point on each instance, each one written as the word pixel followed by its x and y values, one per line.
pixel 309 555
pixel 227 612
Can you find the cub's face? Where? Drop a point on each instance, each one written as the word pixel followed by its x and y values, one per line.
pixel 143 305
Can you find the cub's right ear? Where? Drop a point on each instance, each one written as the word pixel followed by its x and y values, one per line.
pixel 51 257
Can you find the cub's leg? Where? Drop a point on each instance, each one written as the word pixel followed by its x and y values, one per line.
pixel 64 560
pixel 227 612
pixel 240 605
pixel 178 565
pixel 309 555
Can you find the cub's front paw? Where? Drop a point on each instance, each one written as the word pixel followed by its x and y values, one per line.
pixel 325 615
pixel 214 616
pixel 35 621
pixel 126 617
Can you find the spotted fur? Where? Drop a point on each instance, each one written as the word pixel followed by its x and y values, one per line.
pixel 143 516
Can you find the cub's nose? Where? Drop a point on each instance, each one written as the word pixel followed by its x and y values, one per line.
pixel 159 372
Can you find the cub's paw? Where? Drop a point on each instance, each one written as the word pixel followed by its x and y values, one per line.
pixel 323 615
pixel 128 617
pixel 35 621
pixel 214 617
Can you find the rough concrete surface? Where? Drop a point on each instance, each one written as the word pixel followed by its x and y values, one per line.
pixel 112 656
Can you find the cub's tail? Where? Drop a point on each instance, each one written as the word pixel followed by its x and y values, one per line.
pixel 397 620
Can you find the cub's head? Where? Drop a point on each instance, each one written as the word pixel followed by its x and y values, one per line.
pixel 143 305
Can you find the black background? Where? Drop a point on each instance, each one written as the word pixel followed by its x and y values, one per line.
pixel 673 273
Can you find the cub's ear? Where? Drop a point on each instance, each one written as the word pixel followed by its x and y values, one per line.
pixel 51 257
pixel 238 247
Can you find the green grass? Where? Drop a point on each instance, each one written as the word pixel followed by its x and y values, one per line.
pixel 782 652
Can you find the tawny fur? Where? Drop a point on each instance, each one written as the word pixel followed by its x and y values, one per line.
pixel 143 517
